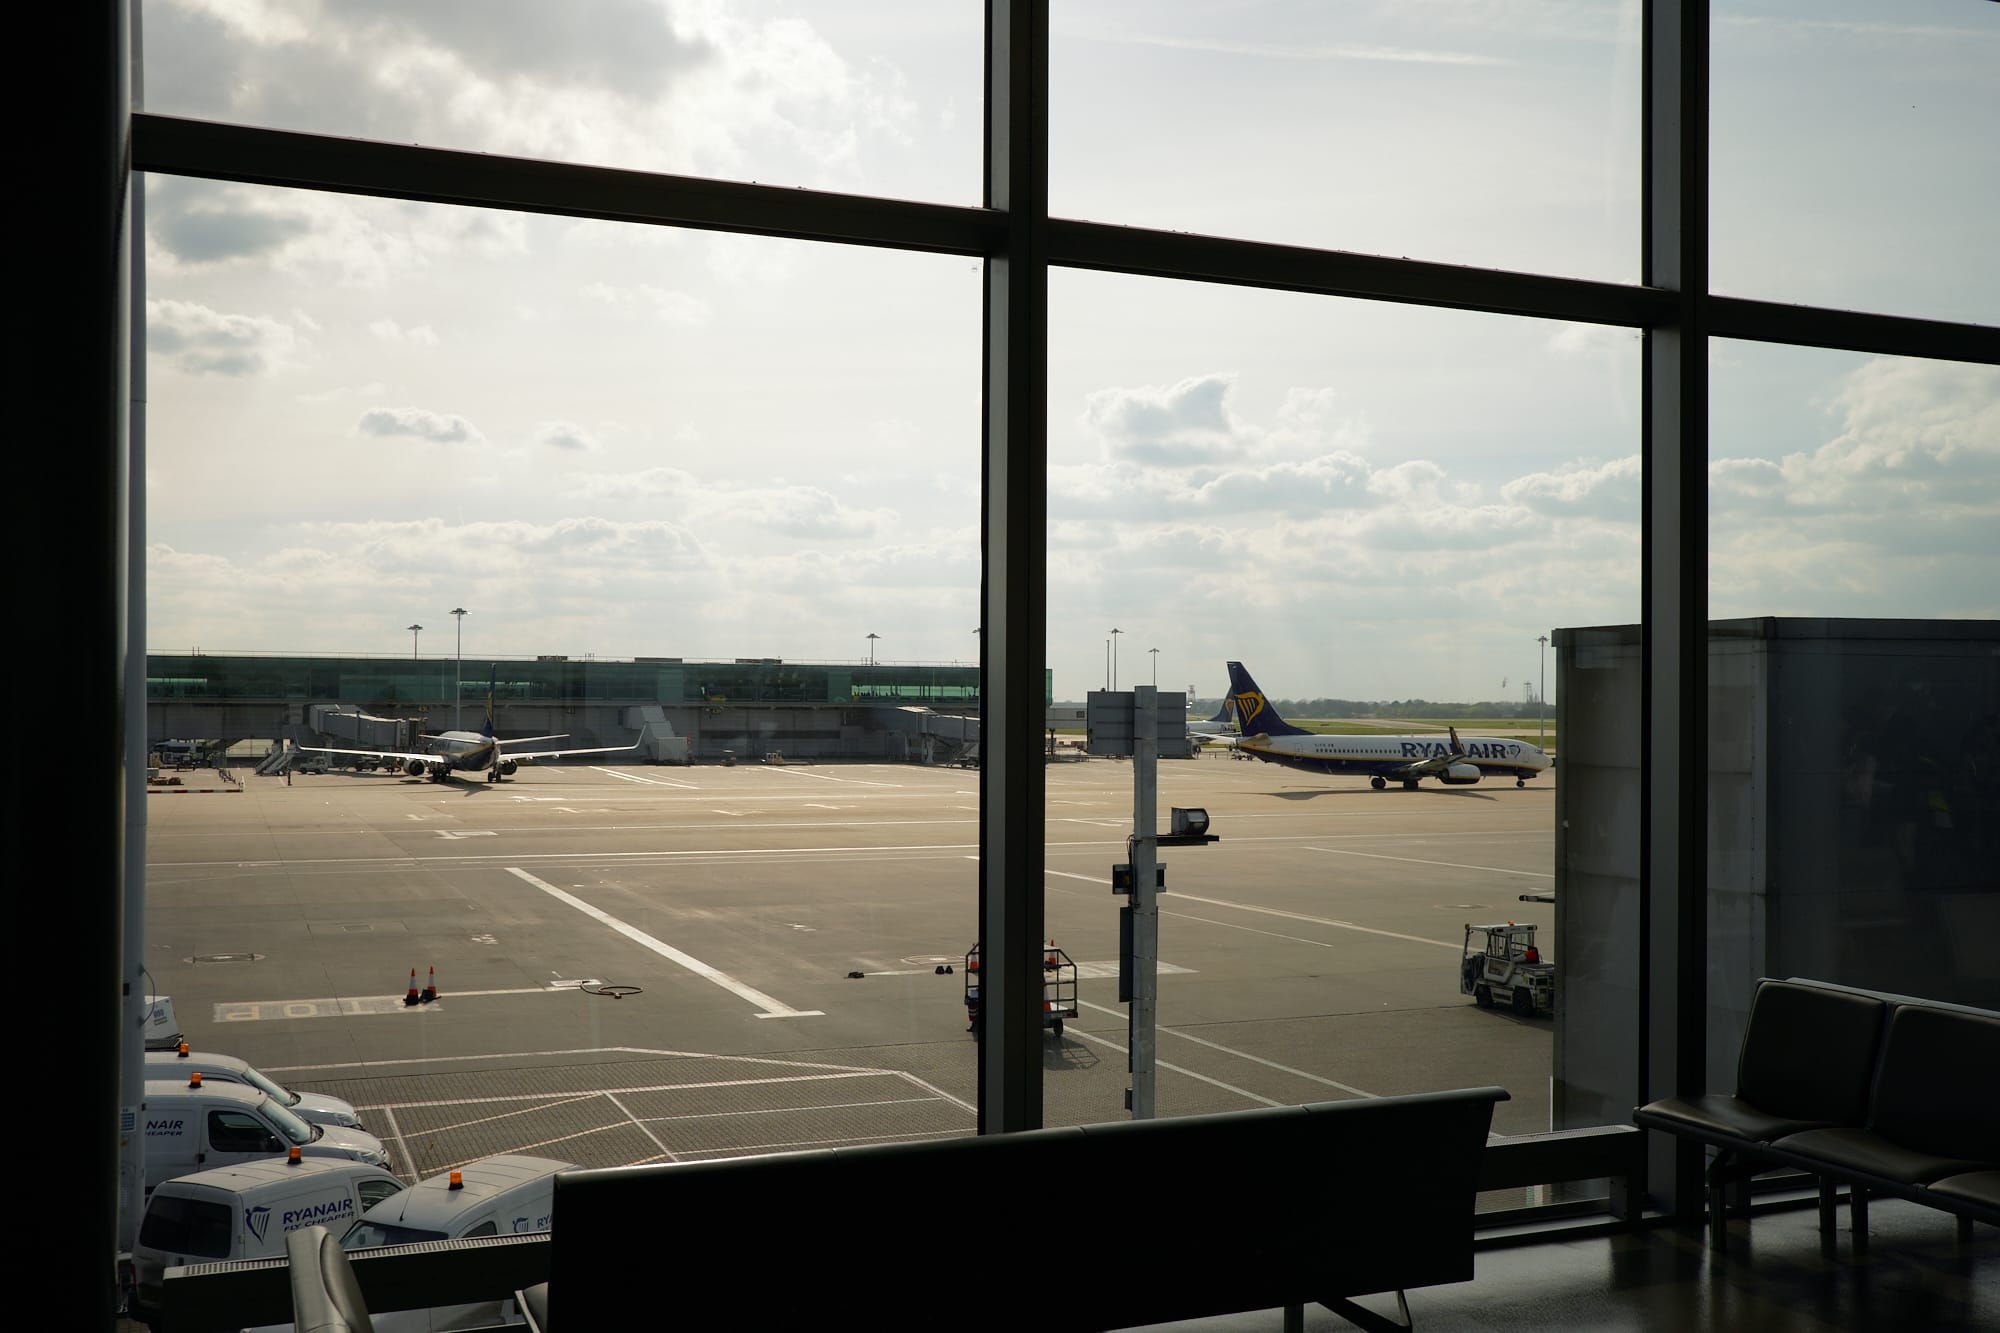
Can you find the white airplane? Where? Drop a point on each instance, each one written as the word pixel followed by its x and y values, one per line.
pixel 470 751
pixel 1214 726
pixel 1380 759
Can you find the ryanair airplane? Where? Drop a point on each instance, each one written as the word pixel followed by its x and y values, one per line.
pixel 470 751
pixel 1380 759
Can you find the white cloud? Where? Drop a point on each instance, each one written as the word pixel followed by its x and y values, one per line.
pixel 388 331
pixel 1875 520
pixel 418 423
pixel 196 340
pixel 1608 490
pixel 567 437
pixel 687 86
pixel 676 308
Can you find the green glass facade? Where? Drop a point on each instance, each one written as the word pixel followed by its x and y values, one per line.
pixel 428 681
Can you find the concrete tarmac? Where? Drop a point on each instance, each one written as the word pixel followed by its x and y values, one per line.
pixel 1311 954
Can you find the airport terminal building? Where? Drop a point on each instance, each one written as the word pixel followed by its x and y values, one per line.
pixel 675 710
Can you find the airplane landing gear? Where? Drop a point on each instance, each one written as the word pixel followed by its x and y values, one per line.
pixel 1377 783
pixel 1520 782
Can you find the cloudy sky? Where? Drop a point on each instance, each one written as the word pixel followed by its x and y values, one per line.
pixel 632 441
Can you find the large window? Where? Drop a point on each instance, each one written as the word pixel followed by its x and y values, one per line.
pixel 421 335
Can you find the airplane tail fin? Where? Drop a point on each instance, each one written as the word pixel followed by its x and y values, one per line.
pixel 1222 713
pixel 1457 747
pixel 1254 714
pixel 486 727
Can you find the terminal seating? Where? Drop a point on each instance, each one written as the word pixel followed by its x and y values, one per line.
pixel 1181 1218
pixel 1886 1094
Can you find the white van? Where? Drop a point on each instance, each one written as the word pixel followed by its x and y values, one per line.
pixel 245 1211
pixel 190 1129
pixel 506 1195
pixel 214 1068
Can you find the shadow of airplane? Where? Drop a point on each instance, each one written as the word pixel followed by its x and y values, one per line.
pixel 1454 793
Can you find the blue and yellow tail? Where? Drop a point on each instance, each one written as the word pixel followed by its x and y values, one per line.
pixel 486 727
pixel 1254 714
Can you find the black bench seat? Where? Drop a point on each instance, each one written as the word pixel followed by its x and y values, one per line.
pixel 1885 1094
pixel 1274 1208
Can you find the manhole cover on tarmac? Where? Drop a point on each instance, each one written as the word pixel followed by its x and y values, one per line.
pixel 225 958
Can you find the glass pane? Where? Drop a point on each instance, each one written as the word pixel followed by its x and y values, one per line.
pixel 1810 100
pixel 1379 514
pixel 1504 139
pixel 843 97
pixel 1855 675
pixel 704 507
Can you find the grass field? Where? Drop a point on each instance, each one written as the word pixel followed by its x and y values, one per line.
pixel 1543 734
pixel 1488 726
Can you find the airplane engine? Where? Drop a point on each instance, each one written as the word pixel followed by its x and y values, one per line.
pixel 1460 775
pixel 415 768
pixel 507 767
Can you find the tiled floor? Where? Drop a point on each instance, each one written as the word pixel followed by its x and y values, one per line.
pixel 1913 1274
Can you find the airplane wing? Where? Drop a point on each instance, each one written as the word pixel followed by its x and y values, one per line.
pixel 506 753
pixel 400 756
pixel 1437 763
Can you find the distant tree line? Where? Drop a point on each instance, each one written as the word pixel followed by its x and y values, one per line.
pixel 1421 708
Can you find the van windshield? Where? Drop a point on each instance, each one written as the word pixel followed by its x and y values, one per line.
pixel 366 1235
pixel 264 1084
pixel 288 1123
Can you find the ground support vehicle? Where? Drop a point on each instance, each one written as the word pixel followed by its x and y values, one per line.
pixel 1501 963
pixel 1059 996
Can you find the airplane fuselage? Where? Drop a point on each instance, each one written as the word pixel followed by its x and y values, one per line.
pixel 1401 758
pixel 464 750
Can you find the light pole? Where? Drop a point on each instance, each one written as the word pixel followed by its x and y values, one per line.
pixel 1156 666
pixel 1114 657
pixel 871 648
pixel 458 670
pixel 414 630
pixel 1542 703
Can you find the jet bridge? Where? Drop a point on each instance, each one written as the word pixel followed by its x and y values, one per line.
pixel 343 722
pixel 942 738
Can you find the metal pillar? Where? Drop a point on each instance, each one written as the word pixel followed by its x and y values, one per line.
pixel 1143 1017
pixel 1014 589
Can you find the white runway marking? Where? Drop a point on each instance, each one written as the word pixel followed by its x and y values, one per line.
pixel 1242 1055
pixel 827 777
pixel 1095 1039
pixel 486 1112
pixel 1416 861
pixel 1454 945
pixel 1176 897
pixel 645 779
pixel 768 1007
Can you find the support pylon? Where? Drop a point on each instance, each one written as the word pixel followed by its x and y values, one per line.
pixel 411 996
pixel 430 987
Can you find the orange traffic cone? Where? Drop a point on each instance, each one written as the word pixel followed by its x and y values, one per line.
pixel 430 987
pixel 411 997
pixel 1053 958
